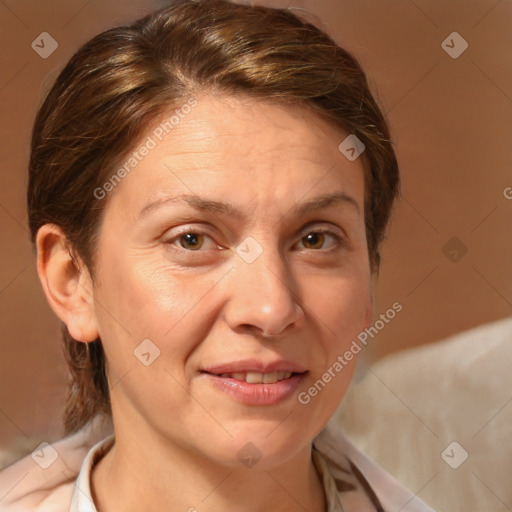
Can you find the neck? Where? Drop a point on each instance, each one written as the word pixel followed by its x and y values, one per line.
pixel 145 473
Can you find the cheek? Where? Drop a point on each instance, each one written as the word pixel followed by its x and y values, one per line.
pixel 152 301
pixel 341 307
pixel 342 301
pixel 149 325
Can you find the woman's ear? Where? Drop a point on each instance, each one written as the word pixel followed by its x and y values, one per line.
pixel 67 283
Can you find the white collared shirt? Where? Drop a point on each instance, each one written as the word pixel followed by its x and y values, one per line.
pixel 352 482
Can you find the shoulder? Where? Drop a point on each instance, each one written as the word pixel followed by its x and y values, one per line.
pixel 417 402
pixel 393 496
pixel 44 481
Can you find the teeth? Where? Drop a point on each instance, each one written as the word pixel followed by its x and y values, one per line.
pixel 254 378
pixel 258 378
pixel 270 378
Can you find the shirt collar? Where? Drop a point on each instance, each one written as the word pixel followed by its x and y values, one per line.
pixel 81 500
pixel 334 488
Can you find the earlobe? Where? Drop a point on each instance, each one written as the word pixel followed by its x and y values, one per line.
pixel 66 283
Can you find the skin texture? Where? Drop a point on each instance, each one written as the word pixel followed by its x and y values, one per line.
pixel 304 299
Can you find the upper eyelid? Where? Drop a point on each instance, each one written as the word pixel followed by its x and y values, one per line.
pixel 309 226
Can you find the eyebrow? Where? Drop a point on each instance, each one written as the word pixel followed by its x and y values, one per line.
pixel 202 204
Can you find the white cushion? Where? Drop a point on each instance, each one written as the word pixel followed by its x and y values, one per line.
pixel 407 410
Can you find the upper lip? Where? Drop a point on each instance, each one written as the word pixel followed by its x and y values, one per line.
pixel 255 366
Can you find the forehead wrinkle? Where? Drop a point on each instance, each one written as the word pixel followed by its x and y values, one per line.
pixel 227 209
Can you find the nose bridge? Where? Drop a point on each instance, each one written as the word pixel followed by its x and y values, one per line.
pixel 263 294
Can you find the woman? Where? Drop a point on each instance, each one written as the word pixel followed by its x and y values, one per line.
pixel 208 191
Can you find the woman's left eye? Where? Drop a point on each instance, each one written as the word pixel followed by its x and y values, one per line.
pixel 316 238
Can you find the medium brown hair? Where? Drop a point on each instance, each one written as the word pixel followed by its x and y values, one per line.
pixel 123 80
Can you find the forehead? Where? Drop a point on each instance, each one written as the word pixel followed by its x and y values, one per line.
pixel 250 149
pixel 263 126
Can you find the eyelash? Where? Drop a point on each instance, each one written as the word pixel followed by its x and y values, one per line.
pixel 171 241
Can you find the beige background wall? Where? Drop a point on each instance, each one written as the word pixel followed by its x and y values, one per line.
pixel 452 124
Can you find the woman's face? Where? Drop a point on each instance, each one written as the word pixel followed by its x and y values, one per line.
pixel 222 251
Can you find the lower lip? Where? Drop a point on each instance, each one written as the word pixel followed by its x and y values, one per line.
pixel 256 394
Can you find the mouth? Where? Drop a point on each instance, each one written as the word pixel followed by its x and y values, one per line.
pixel 255 369
pixel 256 377
pixel 255 383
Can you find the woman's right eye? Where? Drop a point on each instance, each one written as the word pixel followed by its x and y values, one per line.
pixel 189 240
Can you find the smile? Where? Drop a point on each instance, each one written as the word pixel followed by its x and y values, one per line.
pixel 259 378
pixel 253 388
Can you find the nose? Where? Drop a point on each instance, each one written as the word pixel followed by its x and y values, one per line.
pixel 264 296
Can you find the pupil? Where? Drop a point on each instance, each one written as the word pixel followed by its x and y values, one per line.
pixel 191 239
pixel 312 237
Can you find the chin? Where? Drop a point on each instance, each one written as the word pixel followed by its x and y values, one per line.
pixel 261 447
